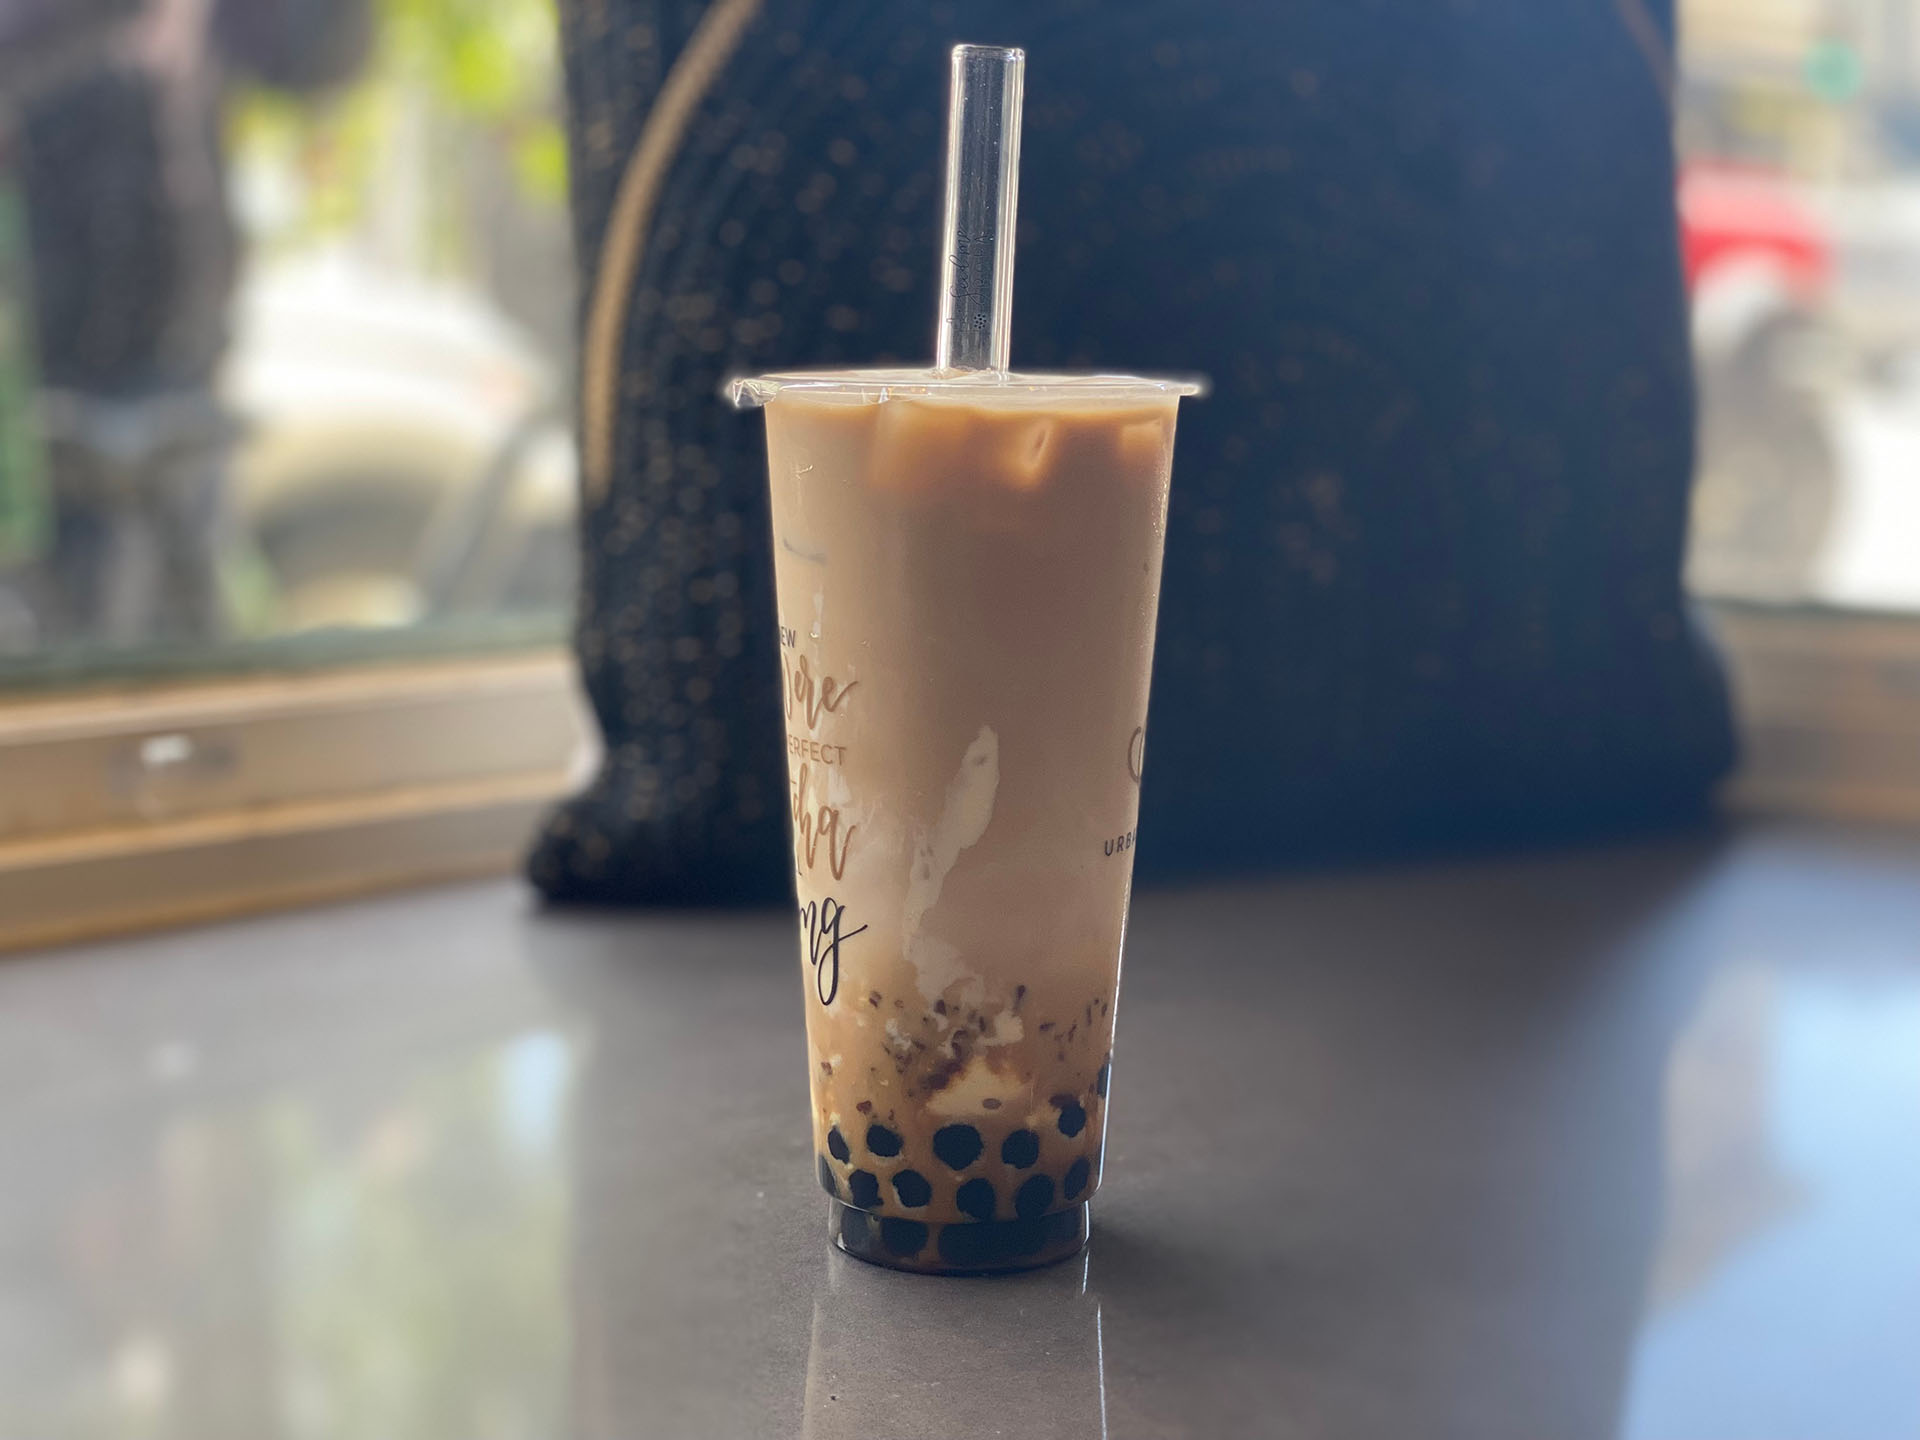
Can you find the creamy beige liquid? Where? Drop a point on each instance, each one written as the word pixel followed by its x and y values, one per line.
pixel 967 591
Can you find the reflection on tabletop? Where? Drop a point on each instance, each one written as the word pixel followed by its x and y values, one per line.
pixel 908 1355
pixel 1611 1144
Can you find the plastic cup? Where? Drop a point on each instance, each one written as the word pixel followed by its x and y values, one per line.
pixel 968 572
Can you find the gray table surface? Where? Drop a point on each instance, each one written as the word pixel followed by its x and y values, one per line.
pixel 1623 1142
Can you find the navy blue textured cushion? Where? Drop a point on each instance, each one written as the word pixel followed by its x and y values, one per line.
pixel 1422 584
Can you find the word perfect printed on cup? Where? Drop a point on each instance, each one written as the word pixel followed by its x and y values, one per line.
pixel 800 747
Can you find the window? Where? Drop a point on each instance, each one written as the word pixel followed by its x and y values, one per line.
pixel 285 386
pixel 288 306
pixel 285 319
pixel 1799 132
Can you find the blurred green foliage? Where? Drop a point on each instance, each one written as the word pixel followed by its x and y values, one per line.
pixel 25 515
pixel 491 60
pixel 452 78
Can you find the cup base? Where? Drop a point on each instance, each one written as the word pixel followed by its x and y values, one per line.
pixel 984 1247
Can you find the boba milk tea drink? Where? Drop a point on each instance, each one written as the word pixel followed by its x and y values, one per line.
pixel 968 569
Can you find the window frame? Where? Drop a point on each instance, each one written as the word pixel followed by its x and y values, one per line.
pixel 1827 703
pixel 139 805
pixel 130 808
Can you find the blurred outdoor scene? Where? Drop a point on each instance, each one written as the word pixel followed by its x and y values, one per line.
pixel 1799 133
pixel 285 320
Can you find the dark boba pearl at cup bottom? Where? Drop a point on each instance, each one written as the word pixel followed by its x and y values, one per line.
pixel 975 1198
pixel 837 1143
pixel 856 1229
pixel 1020 1149
pixel 912 1188
pixel 958 1146
pixel 987 1246
pixel 903 1237
pixel 882 1141
pixel 826 1179
pixel 962 1247
pixel 1012 1244
pixel 864 1187
pixel 1076 1180
pixel 1073 1119
pixel 1033 1198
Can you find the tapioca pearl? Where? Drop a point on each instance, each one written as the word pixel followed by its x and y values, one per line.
pixel 975 1198
pixel 903 1237
pixel 1073 1119
pixel 882 1141
pixel 1076 1179
pixel 827 1182
pixel 837 1143
pixel 968 1247
pixel 1034 1196
pixel 855 1227
pixel 991 1246
pixel 912 1188
pixel 864 1187
pixel 1027 1237
pixel 1100 1080
pixel 1020 1149
pixel 958 1146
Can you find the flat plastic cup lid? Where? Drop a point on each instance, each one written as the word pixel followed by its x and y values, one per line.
pixel 973 387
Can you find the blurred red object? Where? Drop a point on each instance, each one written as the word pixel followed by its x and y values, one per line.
pixel 1734 216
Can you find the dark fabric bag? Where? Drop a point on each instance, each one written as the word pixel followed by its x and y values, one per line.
pixel 1423 564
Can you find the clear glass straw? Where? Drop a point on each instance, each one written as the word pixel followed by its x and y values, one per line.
pixel 983 194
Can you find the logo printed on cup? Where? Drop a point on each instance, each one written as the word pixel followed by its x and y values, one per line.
pixel 821 922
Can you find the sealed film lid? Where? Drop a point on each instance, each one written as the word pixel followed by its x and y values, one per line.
pixel 970 387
